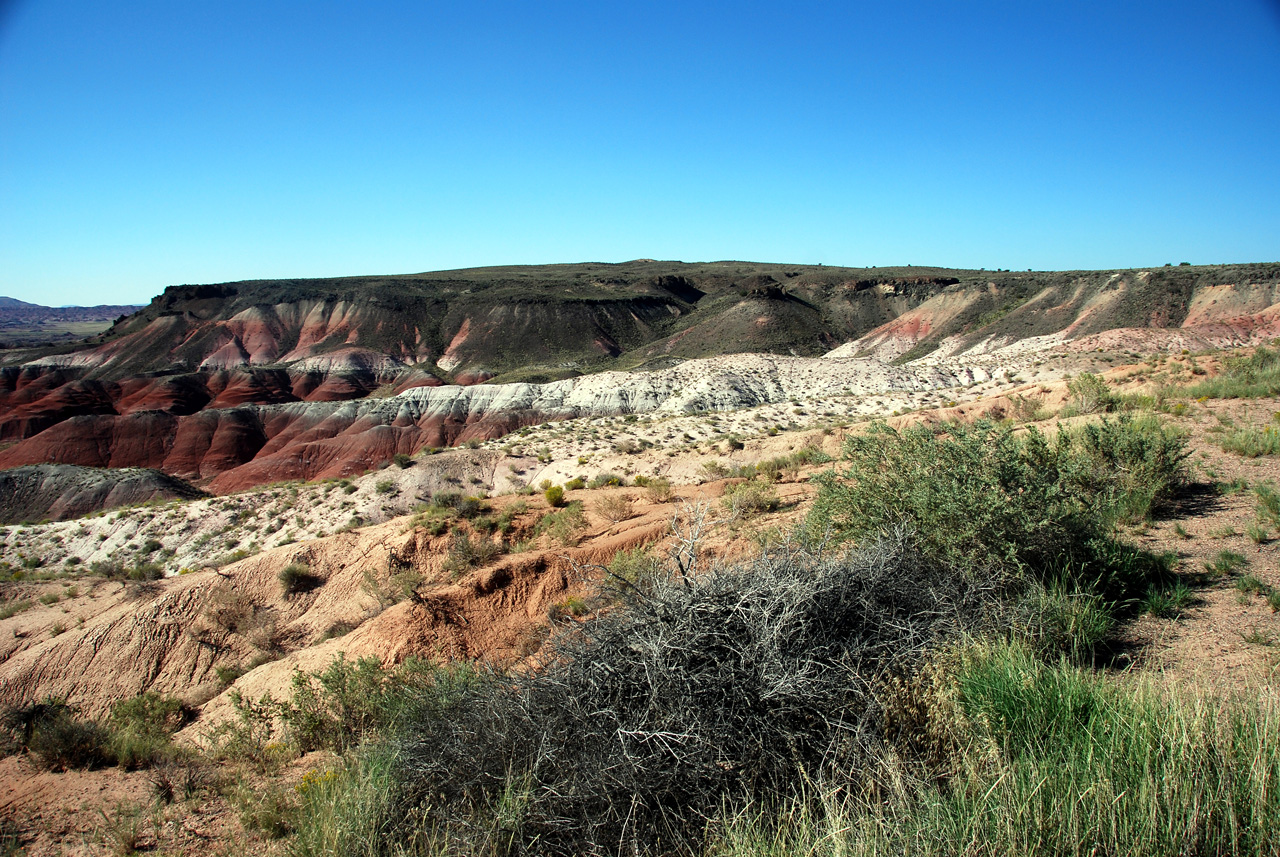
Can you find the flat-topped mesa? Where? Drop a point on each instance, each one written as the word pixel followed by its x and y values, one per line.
pixel 242 383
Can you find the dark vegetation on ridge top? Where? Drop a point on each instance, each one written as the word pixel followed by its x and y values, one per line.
pixel 565 319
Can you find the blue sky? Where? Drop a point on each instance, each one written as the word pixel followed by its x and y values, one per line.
pixel 146 144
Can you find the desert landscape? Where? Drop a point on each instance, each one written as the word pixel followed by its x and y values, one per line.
pixel 387 565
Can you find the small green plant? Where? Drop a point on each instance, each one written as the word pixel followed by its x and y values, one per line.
pixel 1168 602
pixel 142 729
pixel 564 525
pixel 1251 585
pixel 296 577
pixel 466 552
pixel 1252 442
pixel 12 608
pixel 554 495
pixel 402 460
pixel 385 486
pixel 1226 563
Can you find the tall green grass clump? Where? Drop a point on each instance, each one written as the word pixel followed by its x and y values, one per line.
pixel 1054 760
pixel 1252 441
pixel 1254 377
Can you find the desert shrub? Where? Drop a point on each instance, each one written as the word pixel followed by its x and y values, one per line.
pixel 575 484
pixel 574 607
pixel 350 702
pixel 9 609
pixel 995 502
pixel 750 498
pixel 57 740
pixel 605 480
pixel 180 778
pixel 738 685
pixel 658 490
pixel 1028 409
pixel 146 571
pixel 466 552
pixel 402 460
pixel 554 495
pixel 232 610
pixel 142 729
pixel 714 470
pixel 296 577
pixel 564 525
pixel 386 486
pixel 634 566
pixel 461 505
pixel 111 569
pixel 248 735
pixel 613 507
pixel 1252 377
pixel 1089 394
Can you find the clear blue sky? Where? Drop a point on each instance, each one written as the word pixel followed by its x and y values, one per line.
pixel 146 144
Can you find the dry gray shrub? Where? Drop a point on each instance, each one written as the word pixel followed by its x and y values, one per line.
pixel 698 691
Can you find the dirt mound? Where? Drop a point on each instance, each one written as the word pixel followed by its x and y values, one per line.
pixel 61 491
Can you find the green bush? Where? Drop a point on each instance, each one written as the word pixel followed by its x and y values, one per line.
pixel 1089 394
pixel 605 480
pixel 142 729
pixel 466 552
pixel 575 484
pixel 402 460
pixel 750 498
pixel 1001 503
pixel 564 525
pixel 55 738
pixel 555 496
pixel 350 702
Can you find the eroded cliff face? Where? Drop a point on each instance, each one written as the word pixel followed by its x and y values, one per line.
pixel 244 383
pixel 228 449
